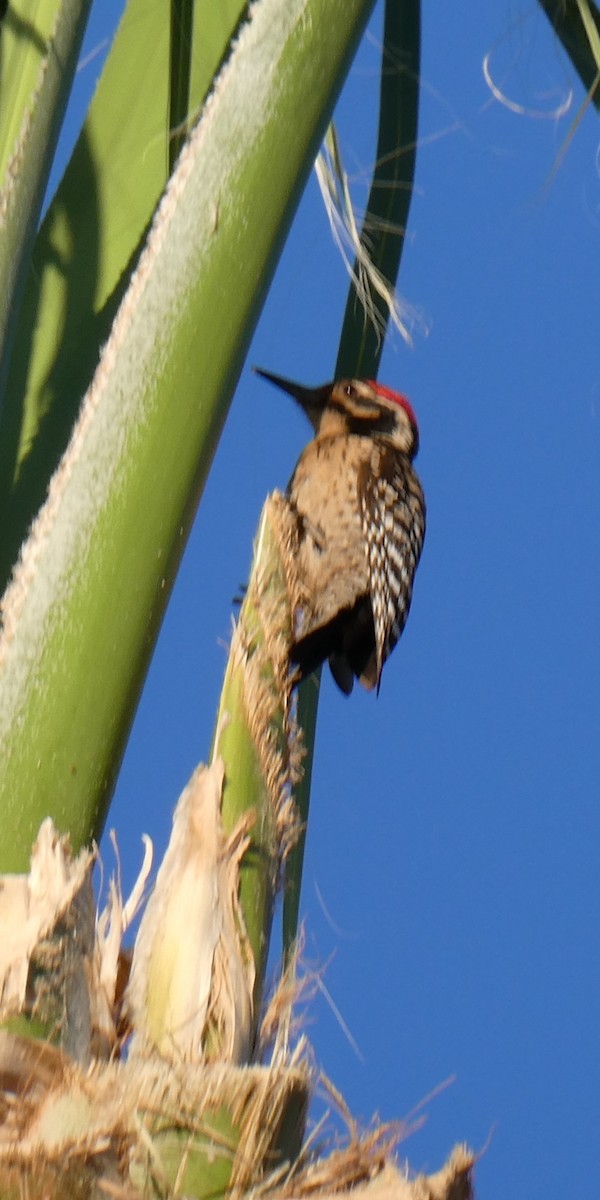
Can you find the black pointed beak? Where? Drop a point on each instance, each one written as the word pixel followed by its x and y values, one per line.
pixel 311 400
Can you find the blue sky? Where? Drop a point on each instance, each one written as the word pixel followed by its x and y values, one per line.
pixel 451 879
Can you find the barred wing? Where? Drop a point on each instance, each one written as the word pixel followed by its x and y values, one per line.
pixel 392 509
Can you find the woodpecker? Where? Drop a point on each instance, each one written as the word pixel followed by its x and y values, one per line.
pixel 359 511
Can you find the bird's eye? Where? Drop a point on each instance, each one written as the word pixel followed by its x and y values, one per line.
pixel 350 391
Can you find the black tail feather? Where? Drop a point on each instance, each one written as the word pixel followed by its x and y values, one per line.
pixel 348 641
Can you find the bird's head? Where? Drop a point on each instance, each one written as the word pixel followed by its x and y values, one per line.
pixel 355 406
